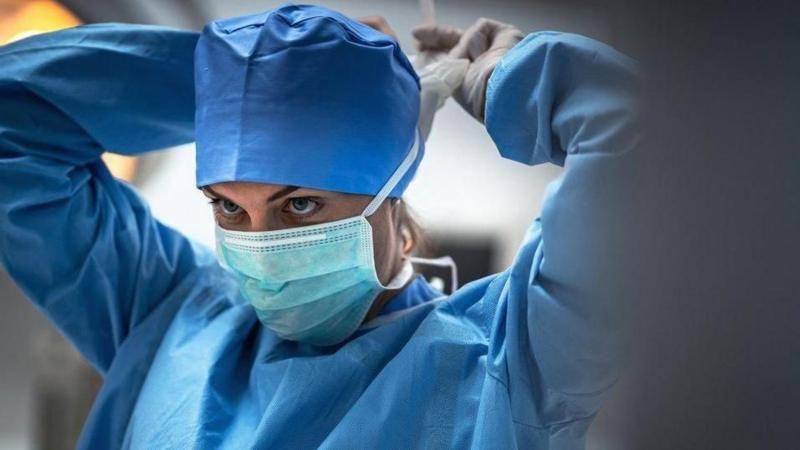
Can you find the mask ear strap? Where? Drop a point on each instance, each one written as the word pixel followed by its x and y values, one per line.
pixel 394 179
pixel 443 261
pixel 406 273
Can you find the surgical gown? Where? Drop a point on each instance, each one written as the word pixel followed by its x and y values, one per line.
pixel 519 359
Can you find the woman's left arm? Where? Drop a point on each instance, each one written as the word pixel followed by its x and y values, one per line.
pixel 571 101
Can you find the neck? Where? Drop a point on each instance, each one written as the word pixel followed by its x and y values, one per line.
pixel 382 299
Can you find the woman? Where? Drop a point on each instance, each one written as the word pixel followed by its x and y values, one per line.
pixel 318 335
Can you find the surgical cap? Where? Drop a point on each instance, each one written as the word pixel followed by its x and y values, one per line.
pixel 303 96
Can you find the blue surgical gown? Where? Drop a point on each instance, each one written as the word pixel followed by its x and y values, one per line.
pixel 519 359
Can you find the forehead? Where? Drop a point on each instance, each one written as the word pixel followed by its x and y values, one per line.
pixel 246 190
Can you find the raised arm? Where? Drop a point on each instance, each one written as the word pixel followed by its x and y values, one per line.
pixel 80 244
pixel 567 99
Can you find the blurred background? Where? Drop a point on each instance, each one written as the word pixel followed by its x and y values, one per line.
pixel 716 353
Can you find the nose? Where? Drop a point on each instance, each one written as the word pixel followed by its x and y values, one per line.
pixel 261 220
pixel 260 224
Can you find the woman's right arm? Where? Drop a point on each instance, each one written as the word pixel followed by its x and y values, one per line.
pixel 80 244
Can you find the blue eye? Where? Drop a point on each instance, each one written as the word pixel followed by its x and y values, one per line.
pixel 302 206
pixel 229 208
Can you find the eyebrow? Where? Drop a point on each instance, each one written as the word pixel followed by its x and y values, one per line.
pixel 214 193
pixel 281 193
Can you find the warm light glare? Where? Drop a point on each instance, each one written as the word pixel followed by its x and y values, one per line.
pixel 20 19
pixel 121 166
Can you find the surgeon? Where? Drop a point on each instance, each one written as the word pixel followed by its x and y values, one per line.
pixel 309 328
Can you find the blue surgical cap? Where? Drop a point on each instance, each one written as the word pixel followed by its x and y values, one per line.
pixel 303 96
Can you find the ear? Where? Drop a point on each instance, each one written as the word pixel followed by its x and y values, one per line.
pixel 408 243
pixel 397 217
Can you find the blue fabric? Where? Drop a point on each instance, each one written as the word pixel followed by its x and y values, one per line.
pixel 520 359
pixel 414 294
pixel 303 96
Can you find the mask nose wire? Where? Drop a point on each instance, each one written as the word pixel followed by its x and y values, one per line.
pixel 394 179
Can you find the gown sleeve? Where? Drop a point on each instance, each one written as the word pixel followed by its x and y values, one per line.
pixel 80 244
pixel 568 100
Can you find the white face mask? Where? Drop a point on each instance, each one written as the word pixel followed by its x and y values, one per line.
pixel 315 283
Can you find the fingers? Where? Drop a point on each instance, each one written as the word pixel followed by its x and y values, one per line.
pixel 474 42
pixel 379 23
pixel 485 35
pixel 437 38
pixel 506 37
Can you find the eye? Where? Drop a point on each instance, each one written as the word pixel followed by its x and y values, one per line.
pixel 228 207
pixel 302 206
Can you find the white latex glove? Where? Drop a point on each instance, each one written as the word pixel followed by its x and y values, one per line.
pixel 483 45
pixel 439 75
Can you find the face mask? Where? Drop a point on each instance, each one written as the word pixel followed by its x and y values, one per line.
pixel 316 283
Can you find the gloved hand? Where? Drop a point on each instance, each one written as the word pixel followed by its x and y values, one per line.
pixel 483 44
pixel 439 75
